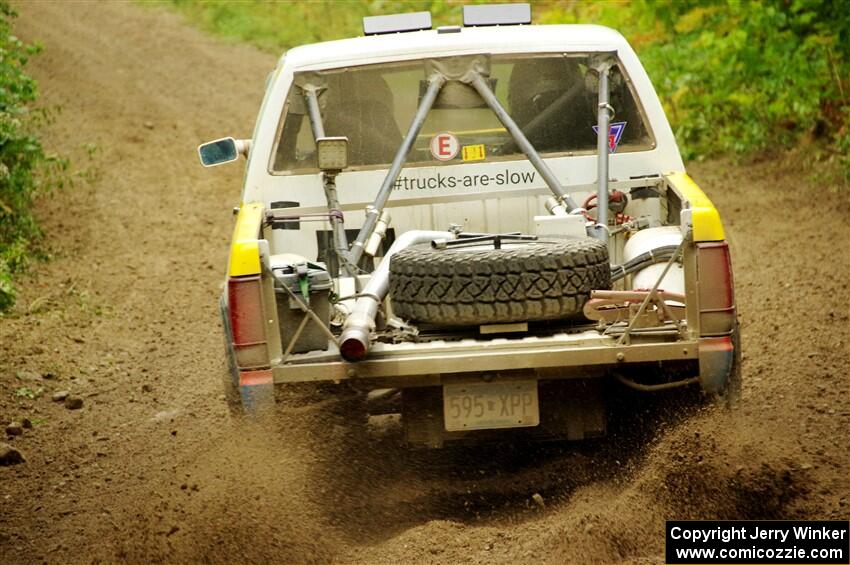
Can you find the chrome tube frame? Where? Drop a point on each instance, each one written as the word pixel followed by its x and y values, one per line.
pixel 373 212
pixel 546 115
pixel 604 114
pixel 311 96
pixel 480 84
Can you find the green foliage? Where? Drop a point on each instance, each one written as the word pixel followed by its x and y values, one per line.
pixel 748 76
pixel 27 392
pixel 735 76
pixel 280 25
pixel 25 169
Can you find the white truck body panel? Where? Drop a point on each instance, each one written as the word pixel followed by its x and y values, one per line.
pixel 501 195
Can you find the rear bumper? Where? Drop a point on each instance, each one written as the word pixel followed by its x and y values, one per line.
pixel 582 355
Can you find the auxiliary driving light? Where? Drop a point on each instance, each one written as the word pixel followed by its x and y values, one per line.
pixel 332 153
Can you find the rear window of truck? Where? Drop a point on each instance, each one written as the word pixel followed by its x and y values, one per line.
pixel 373 106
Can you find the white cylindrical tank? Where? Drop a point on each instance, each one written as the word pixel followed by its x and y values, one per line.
pixel 647 240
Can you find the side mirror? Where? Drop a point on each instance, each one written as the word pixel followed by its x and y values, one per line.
pixel 222 151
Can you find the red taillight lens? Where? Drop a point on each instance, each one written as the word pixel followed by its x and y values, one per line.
pixel 245 304
pixel 716 292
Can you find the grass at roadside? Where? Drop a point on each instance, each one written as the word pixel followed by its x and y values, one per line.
pixel 736 78
pixel 26 170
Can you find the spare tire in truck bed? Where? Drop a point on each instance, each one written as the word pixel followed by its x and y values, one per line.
pixel 530 281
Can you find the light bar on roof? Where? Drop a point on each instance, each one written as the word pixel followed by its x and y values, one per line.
pixel 396 23
pixel 496 15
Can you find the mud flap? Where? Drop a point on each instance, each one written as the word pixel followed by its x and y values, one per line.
pixel 256 390
pixel 716 357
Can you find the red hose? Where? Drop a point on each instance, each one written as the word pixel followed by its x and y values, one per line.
pixel 615 196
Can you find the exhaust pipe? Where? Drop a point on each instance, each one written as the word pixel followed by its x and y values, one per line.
pixel 354 341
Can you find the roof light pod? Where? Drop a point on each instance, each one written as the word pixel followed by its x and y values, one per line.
pixel 496 15
pixel 396 23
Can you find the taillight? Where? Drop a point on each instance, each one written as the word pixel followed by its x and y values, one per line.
pixel 716 292
pixel 245 304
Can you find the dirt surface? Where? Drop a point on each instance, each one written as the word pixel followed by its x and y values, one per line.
pixel 152 469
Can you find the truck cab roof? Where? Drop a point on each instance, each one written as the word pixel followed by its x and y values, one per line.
pixel 455 41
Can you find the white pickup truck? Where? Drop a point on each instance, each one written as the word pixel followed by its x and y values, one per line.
pixel 481 227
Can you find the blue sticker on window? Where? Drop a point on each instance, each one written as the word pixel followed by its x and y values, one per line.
pixel 615 133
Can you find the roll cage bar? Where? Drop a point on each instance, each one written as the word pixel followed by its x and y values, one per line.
pixel 473 71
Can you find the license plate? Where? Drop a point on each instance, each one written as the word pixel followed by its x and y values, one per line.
pixel 484 406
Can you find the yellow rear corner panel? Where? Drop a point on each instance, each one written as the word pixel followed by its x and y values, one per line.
pixel 706 218
pixel 245 249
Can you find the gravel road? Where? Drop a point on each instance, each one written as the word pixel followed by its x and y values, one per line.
pixel 151 468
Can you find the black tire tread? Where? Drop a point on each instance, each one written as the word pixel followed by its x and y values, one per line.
pixel 544 280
